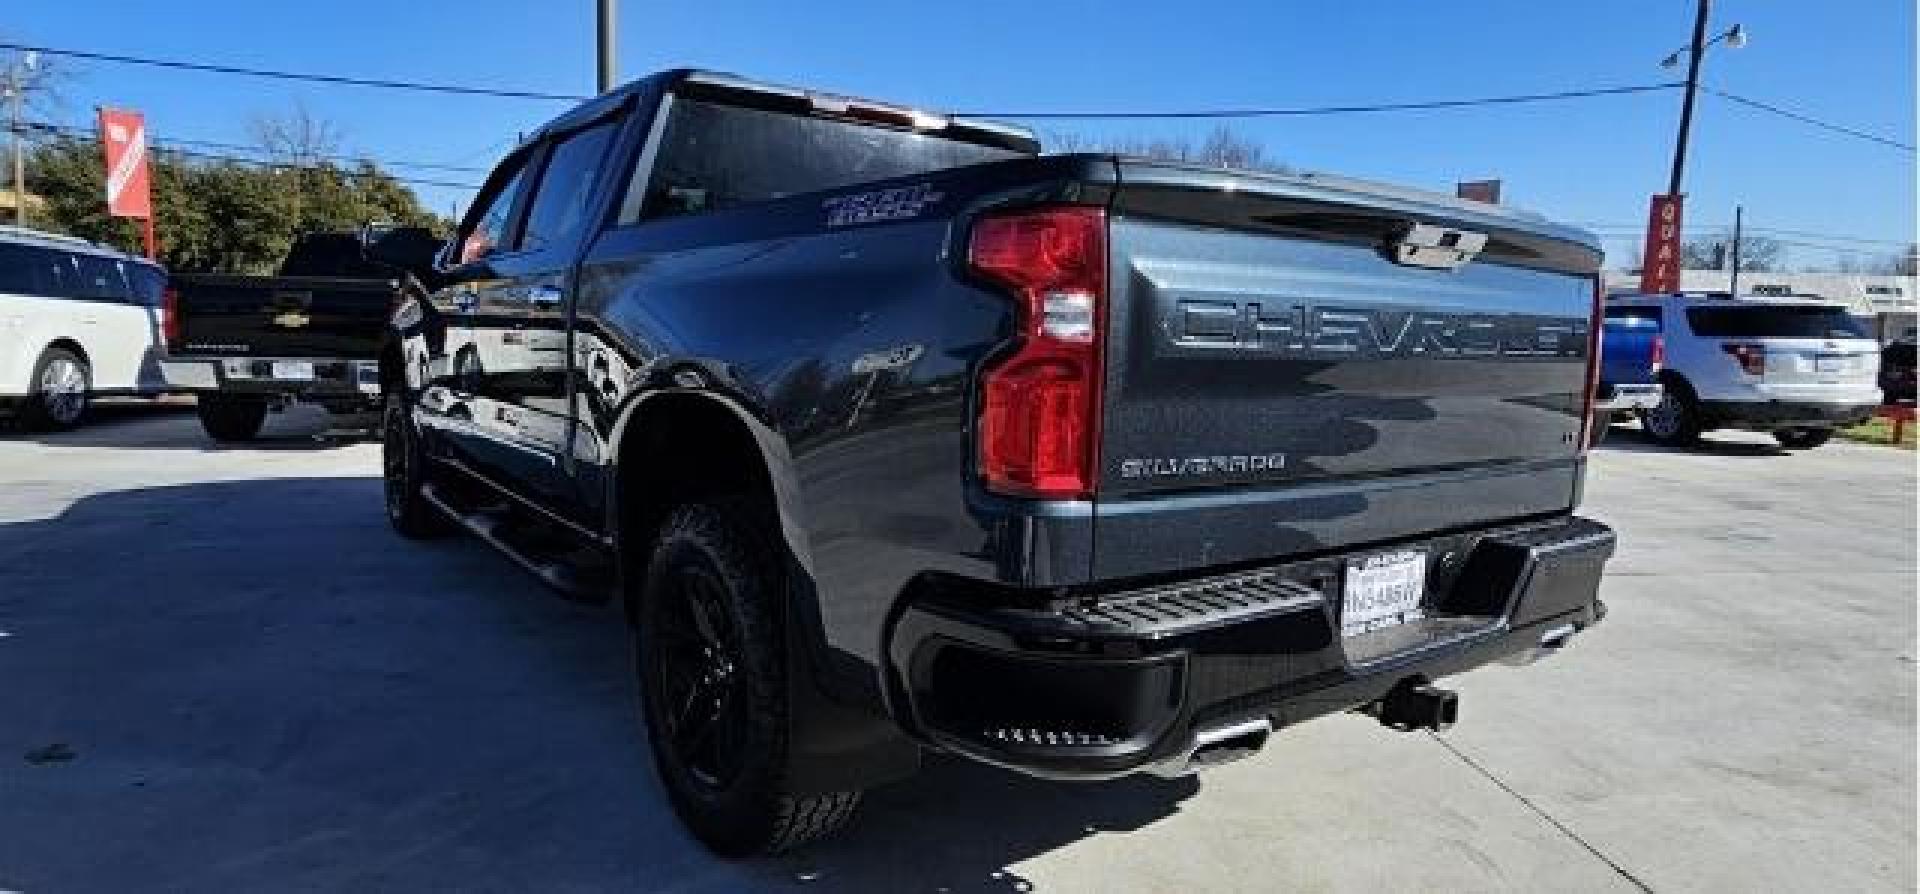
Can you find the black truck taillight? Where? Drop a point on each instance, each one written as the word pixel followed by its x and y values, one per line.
pixel 1040 404
pixel 1595 322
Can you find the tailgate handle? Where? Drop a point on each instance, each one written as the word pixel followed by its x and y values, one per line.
pixel 1436 247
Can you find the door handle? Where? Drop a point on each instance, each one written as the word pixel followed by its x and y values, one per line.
pixel 544 296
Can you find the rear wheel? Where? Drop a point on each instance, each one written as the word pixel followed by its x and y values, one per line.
pixel 1802 438
pixel 1674 421
pixel 60 383
pixel 403 472
pixel 231 419
pixel 710 655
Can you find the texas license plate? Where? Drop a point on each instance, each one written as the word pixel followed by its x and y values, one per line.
pixel 295 370
pixel 1383 590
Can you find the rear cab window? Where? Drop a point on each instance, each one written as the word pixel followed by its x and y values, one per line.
pixel 1774 321
pixel 713 156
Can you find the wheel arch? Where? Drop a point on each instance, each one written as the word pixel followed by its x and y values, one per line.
pixel 681 443
pixel 676 444
pixel 68 343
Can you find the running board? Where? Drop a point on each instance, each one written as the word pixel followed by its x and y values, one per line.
pixel 490 526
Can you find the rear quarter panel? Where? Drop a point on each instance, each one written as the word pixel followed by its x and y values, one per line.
pixel 857 345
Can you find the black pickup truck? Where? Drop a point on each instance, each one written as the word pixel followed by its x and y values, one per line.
pixel 245 345
pixel 890 434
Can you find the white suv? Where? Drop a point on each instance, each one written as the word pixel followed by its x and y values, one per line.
pixel 77 320
pixel 1797 367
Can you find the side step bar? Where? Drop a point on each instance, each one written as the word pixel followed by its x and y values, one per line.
pixel 490 525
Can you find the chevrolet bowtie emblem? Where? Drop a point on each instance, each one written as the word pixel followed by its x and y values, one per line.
pixel 291 319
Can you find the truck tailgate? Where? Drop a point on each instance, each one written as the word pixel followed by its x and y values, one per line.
pixel 280 316
pixel 1278 382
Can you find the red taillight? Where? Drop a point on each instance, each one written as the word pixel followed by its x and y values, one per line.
pixel 1587 422
pixel 170 316
pixel 1040 404
pixel 1659 358
pixel 1753 358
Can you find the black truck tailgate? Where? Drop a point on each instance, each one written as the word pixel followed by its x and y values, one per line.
pixel 280 316
pixel 1281 379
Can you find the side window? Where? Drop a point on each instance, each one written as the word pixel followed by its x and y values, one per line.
pixel 95 278
pixel 30 270
pixel 494 222
pixel 560 202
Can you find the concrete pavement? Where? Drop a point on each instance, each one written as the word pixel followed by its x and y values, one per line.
pixel 253 685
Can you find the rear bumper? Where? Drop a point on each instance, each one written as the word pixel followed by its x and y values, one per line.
pixel 1784 414
pixel 332 378
pixel 1620 398
pixel 1098 686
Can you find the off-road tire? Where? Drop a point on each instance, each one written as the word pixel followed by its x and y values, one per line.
pixel 718 555
pixel 403 476
pixel 231 420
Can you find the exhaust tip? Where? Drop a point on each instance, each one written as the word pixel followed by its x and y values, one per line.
pixel 1221 745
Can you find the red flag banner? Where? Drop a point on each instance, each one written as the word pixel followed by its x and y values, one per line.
pixel 123 134
pixel 1660 269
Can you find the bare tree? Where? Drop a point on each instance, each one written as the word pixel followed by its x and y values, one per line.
pixel 1224 147
pixel 1758 254
pixel 296 137
pixel 40 79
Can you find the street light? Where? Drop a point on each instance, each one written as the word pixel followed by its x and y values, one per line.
pixel 1695 52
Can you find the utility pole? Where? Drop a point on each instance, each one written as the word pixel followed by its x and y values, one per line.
pixel 1734 289
pixel 607 66
pixel 14 89
pixel 1697 51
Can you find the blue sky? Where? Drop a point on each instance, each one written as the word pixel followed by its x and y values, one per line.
pixel 1593 161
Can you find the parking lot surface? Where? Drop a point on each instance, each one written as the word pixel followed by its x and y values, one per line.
pixel 220 671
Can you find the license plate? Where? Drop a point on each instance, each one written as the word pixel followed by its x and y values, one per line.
pixel 296 370
pixel 1383 590
pixel 1829 363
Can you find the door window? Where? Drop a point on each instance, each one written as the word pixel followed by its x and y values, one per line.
pixel 494 222
pixel 562 200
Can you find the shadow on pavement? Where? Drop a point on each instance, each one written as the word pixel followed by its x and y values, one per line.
pixel 173 425
pixel 1625 439
pixel 257 686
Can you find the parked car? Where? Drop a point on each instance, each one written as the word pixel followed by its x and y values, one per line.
pixel 77 321
pixel 1632 351
pixel 247 345
pixel 1794 366
pixel 890 434
pixel 1897 372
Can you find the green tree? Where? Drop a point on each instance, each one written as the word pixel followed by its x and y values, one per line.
pixel 219 215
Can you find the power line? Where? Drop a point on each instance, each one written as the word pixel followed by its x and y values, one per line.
pixel 1719 228
pixel 69 132
pixel 1336 110
pixel 291 75
pixel 1809 119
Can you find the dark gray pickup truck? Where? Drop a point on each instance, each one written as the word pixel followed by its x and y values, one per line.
pixel 890 434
